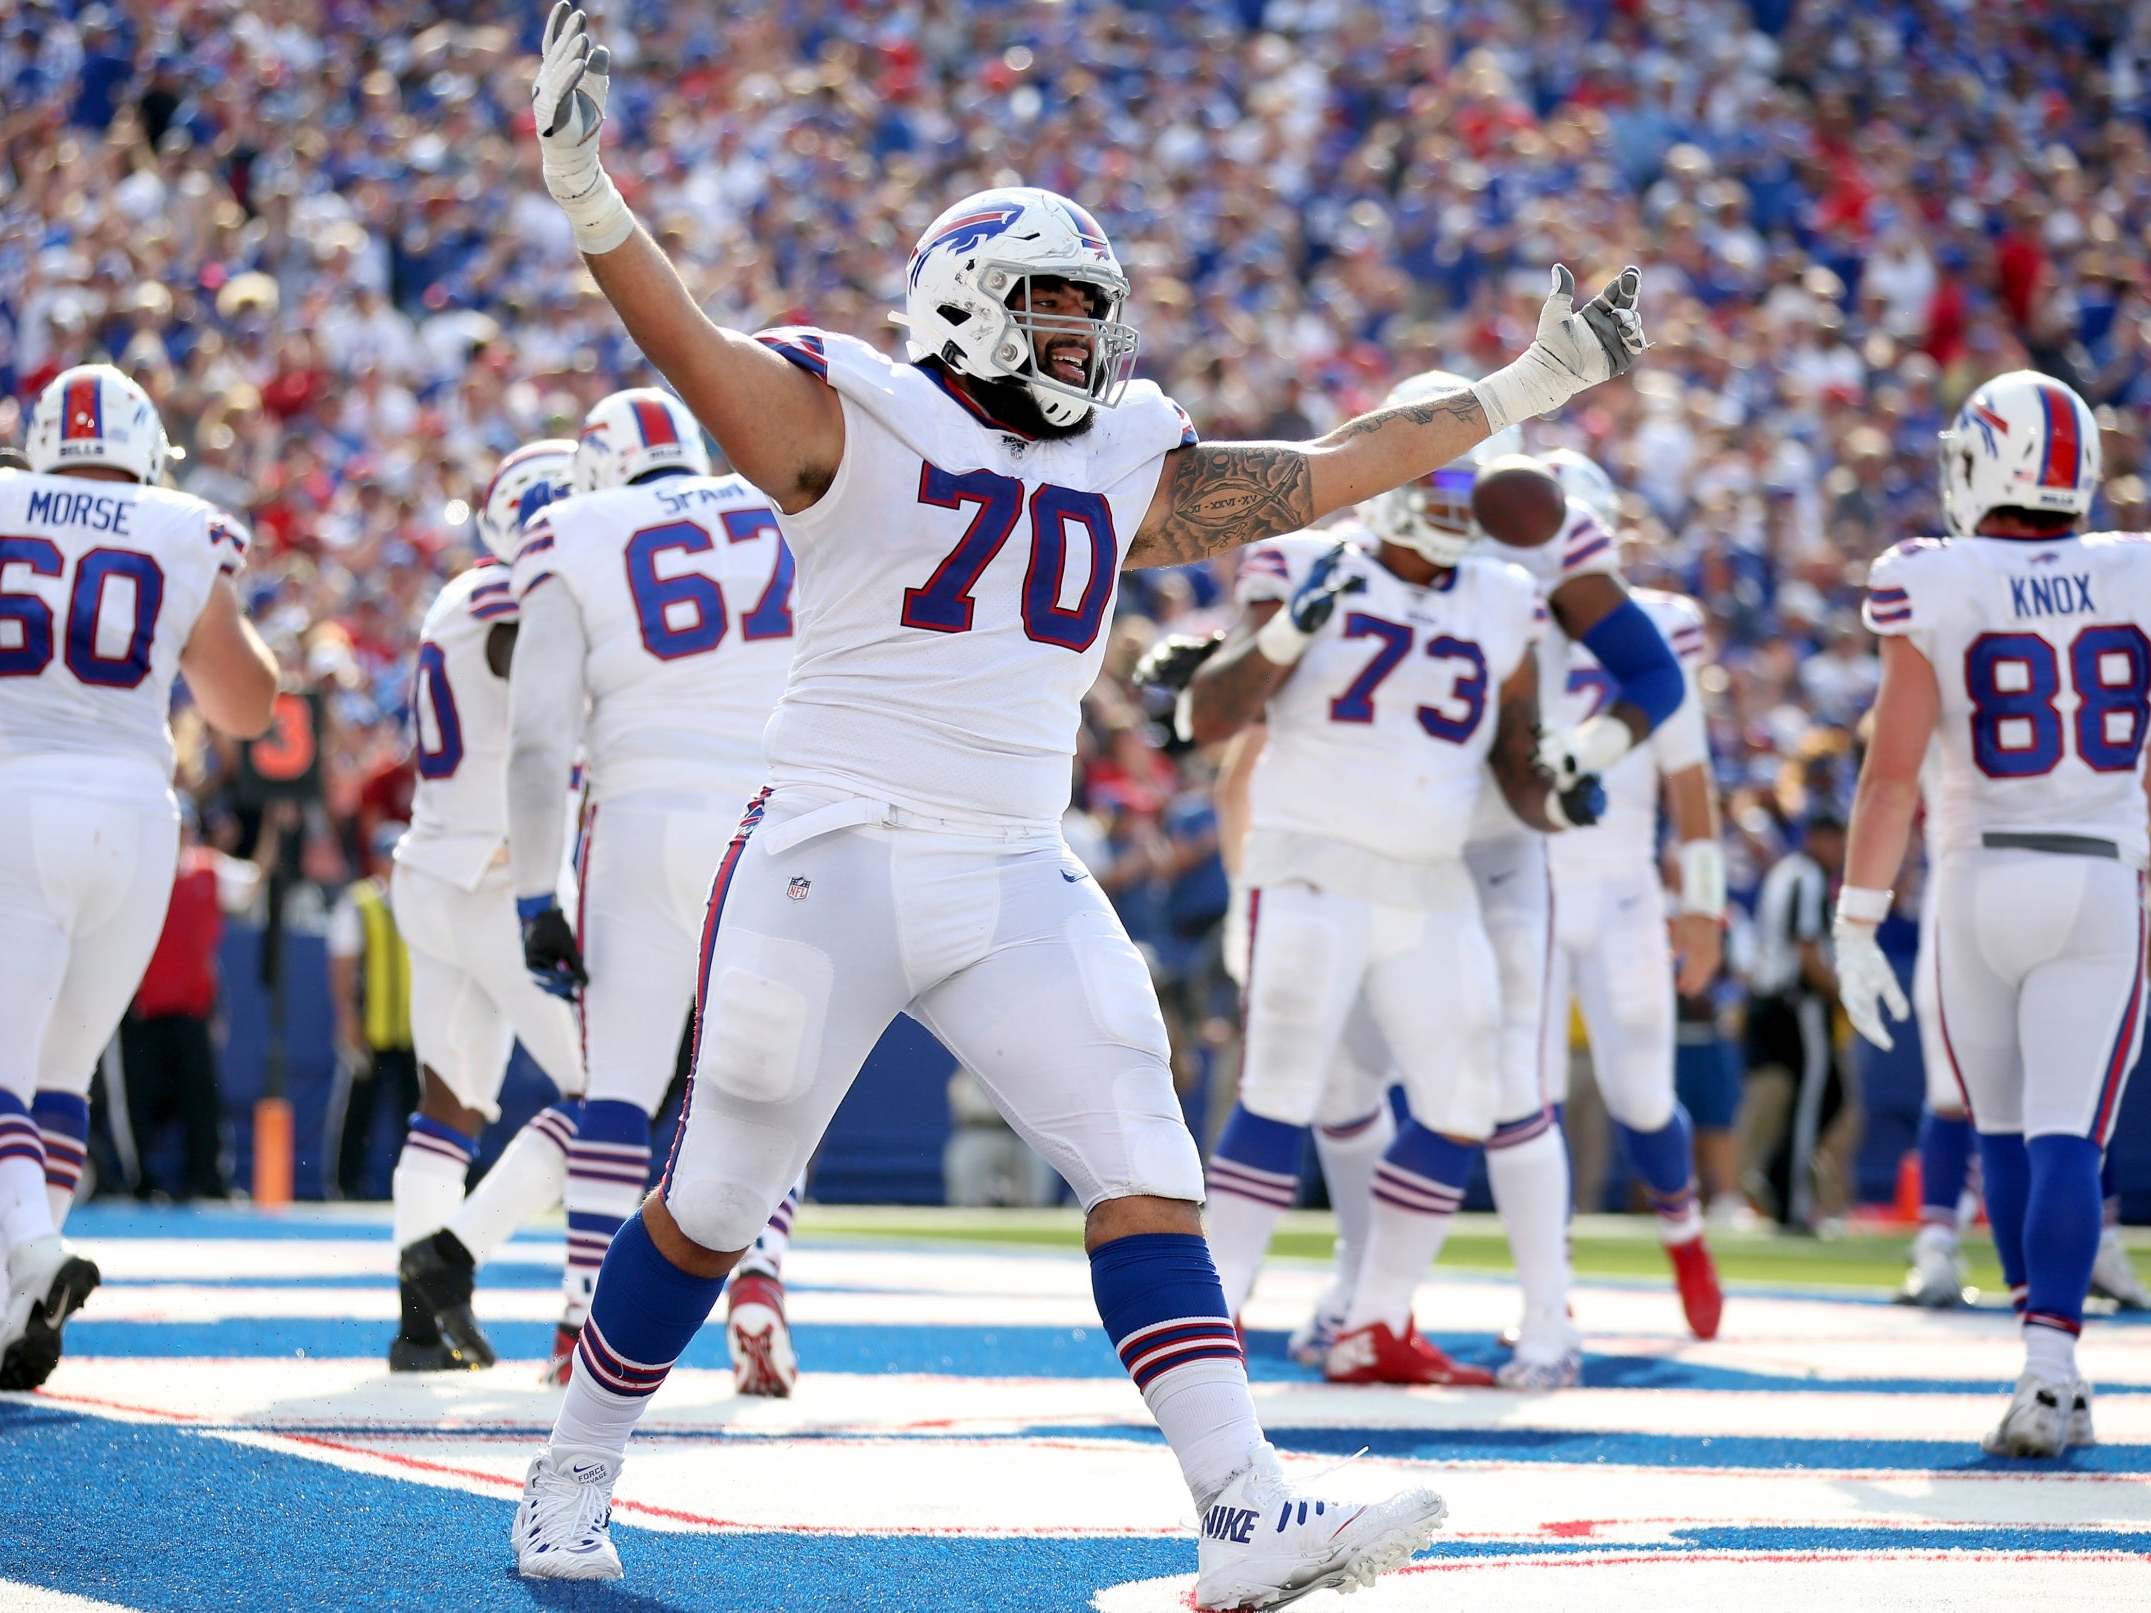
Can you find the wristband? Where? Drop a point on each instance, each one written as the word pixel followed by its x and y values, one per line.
pixel 592 202
pixel 1860 904
pixel 1280 641
pixel 1599 742
pixel 1702 878
pixel 1530 385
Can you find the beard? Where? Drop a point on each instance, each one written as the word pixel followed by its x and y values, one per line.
pixel 1010 401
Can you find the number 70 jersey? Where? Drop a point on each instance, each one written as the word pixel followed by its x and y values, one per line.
pixel 684 590
pixel 2044 667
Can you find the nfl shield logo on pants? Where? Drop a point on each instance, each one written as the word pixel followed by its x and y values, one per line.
pixel 798 888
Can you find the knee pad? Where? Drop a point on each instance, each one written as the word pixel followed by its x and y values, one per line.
pixel 724 1180
pixel 762 1015
pixel 1160 1161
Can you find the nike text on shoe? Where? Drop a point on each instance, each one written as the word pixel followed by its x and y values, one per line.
pixel 46 1285
pixel 2038 1420
pixel 1263 1544
pixel 759 1339
pixel 1376 1354
pixel 442 1274
pixel 563 1527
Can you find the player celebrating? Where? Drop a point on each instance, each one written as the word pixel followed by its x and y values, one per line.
pixel 1378 740
pixel 471 998
pixel 112 586
pixel 1610 929
pixel 2020 646
pixel 959 523
pixel 660 597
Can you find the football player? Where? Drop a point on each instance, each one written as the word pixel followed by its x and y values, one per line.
pixel 657 631
pixel 1612 932
pixel 471 998
pixel 110 587
pixel 1382 720
pixel 2019 644
pixel 959 522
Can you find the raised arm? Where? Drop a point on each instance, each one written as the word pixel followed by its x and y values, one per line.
pixel 1217 496
pixel 781 428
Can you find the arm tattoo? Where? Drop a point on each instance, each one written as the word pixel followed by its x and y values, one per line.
pixel 1221 497
pixel 1514 759
pixel 1451 405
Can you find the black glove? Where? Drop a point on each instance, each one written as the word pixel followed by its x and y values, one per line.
pixel 550 954
pixel 1170 664
pixel 1581 804
pixel 1314 600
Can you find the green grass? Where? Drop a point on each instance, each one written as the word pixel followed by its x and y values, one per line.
pixel 1605 1246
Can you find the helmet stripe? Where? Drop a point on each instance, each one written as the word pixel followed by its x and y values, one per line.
pixel 2064 456
pixel 654 421
pixel 82 410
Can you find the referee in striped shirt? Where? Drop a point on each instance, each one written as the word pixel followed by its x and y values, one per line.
pixel 1796 1090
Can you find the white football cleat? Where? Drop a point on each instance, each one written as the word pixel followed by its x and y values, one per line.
pixel 1549 1355
pixel 759 1339
pixel 2043 1419
pixel 1310 1341
pixel 1935 1279
pixel 1263 1544
pixel 46 1284
pixel 563 1528
pixel 2112 1277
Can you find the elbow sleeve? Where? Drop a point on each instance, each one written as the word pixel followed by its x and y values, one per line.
pixel 1642 665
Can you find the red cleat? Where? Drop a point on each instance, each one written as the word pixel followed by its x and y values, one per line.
pixel 1375 1354
pixel 562 1364
pixel 759 1338
pixel 1696 1279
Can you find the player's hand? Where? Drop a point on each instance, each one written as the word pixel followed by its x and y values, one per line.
pixel 1576 348
pixel 1866 983
pixel 1170 663
pixel 550 954
pixel 1578 804
pixel 1589 749
pixel 1698 941
pixel 567 102
pixel 1314 600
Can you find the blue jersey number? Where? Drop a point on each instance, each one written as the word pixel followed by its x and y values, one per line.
pixel 444 754
pixel 1455 718
pixel 2013 680
pixel 944 602
pixel 123 668
pixel 683 613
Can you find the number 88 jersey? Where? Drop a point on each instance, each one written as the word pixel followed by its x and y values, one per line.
pixel 684 591
pixel 2044 667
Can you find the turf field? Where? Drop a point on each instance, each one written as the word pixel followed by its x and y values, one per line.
pixel 223 1435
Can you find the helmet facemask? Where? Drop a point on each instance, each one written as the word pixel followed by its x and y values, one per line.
pixel 1027 333
pixel 1432 516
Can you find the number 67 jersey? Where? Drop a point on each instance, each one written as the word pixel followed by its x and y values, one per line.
pixel 2040 651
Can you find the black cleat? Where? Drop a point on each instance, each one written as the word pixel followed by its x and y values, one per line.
pixel 424 1355
pixel 29 1361
pixel 440 1273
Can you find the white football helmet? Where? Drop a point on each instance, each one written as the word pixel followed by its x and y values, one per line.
pixel 94 415
pixel 1585 483
pixel 530 478
pixel 629 434
pixel 1433 515
pixel 981 255
pixel 2023 441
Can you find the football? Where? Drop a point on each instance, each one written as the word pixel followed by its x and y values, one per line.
pixel 1518 501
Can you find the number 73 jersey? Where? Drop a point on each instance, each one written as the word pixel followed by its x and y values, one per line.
pixel 1378 740
pixel 2040 651
pixel 684 590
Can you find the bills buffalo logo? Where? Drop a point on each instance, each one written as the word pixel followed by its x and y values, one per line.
pixel 962 234
pixel 1989 424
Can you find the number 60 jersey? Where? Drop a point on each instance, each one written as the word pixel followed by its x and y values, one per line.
pixel 2045 672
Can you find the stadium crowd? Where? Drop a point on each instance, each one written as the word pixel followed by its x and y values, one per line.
pixel 314 229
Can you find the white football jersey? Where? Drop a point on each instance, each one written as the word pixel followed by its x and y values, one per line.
pixel 459 707
pixel 1628 833
pixel 684 587
pixel 1378 740
pixel 101 584
pixel 956 583
pixel 2040 651
pixel 1583 545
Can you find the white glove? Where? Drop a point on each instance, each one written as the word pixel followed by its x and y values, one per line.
pixel 1592 746
pixel 1576 348
pixel 568 104
pixel 1866 982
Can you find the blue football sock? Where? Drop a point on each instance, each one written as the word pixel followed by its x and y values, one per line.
pixel 2007 1170
pixel 1945 1160
pixel 2061 1229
